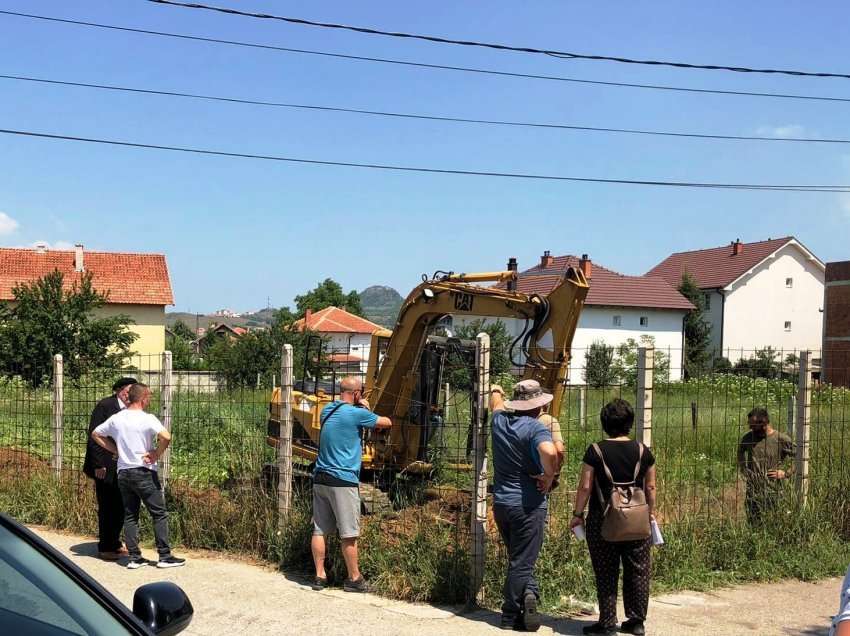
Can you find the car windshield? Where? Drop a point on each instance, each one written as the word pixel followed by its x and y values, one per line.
pixel 38 598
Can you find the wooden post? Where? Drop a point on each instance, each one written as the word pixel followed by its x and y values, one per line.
pixel 284 458
pixel 694 415
pixel 792 415
pixel 804 413
pixel 479 453
pixel 57 425
pixel 643 410
pixel 165 392
pixel 582 407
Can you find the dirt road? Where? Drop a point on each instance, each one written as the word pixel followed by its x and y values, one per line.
pixel 232 596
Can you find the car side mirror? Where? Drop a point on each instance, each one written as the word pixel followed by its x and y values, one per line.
pixel 163 608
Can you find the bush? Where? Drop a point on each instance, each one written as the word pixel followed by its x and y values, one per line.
pixel 599 365
pixel 626 362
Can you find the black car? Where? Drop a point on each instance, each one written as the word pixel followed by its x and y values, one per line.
pixel 43 594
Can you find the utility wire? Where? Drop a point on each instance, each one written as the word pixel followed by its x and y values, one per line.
pixel 379 113
pixel 498 47
pixel 397 168
pixel 442 67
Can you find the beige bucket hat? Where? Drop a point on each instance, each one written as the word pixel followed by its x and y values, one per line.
pixel 528 395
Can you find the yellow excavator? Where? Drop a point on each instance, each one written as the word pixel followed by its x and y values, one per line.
pixel 404 372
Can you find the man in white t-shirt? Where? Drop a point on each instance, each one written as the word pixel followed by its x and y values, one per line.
pixel 134 432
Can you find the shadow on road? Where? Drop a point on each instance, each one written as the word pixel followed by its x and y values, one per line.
pixel 89 549
pixel 816 630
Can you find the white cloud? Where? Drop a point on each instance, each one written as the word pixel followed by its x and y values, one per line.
pixel 781 132
pixel 8 225
pixel 58 245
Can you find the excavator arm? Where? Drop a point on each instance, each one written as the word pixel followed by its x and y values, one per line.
pixel 549 325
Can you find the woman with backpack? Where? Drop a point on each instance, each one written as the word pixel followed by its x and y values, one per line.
pixel 618 479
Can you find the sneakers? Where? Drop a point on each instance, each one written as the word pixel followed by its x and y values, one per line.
pixel 170 562
pixel 360 585
pixel 530 614
pixel 597 628
pixel 136 562
pixel 633 626
pixel 319 583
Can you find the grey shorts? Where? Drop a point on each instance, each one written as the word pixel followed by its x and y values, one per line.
pixel 336 508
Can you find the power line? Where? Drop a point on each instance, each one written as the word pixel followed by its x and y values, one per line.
pixel 498 47
pixel 452 119
pixel 447 171
pixel 442 67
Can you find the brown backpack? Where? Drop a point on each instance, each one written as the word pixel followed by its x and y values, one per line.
pixel 625 513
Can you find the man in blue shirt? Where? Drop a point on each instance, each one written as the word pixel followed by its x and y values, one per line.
pixel 336 480
pixel 524 467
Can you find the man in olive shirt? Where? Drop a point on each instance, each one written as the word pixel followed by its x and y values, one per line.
pixel 762 459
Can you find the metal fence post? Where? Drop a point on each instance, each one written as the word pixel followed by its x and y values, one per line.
pixel 479 449
pixel 57 427
pixel 165 392
pixel 643 410
pixel 804 414
pixel 284 458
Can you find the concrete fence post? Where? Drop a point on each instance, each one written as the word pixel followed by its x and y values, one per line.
pixel 804 414
pixel 166 391
pixel 284 458
pixel 479 451
pixel 582 407
pixel 57 423
pixel 643 407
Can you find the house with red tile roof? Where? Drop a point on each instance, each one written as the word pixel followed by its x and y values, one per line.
pixel 349 337
pixel 137 285
pixel 617 307
pixel 765 293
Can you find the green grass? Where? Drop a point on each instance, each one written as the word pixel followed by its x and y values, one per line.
pixel 216 499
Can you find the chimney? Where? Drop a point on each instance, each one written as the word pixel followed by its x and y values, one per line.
pixel 586 266
pixel 78 258
pixel 547 260
pixel 307 315
pixel 40 247
pixel 512 267
pixel 737 247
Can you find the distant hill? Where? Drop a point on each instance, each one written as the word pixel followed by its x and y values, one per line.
pixel 381 304
pixel 262 318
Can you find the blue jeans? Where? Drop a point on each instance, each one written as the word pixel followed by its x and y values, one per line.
pixel 522 531
pixel 141 486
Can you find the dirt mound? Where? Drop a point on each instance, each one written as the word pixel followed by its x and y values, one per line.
pixel 16 462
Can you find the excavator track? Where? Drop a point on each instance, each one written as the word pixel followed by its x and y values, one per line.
pixel 373 500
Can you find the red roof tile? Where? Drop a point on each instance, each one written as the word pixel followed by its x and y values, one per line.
pixel 133 279
pixel 607 288
pixel 336 320
pixel 716 267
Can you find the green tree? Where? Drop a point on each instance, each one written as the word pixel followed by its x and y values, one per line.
pixel 626 362
pixel 697 329
pixel 46 319
pixel 328 293
pixel 182 330
pixel 183 357
pixel 764 363
pixel 460 370
pixel 599 365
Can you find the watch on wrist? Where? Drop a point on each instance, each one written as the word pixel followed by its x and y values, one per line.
pixel 578 513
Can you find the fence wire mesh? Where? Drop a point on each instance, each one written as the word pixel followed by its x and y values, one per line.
pixel 417 481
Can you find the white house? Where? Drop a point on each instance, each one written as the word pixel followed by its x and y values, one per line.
pixel 349 337
pixel 768 293
pixel 617 308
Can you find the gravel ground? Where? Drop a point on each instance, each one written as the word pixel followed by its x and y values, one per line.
pixel 232 596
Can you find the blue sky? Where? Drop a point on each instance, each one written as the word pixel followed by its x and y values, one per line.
pixel 241 233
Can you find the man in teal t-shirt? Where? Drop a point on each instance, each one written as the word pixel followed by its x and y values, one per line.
pixel 336 480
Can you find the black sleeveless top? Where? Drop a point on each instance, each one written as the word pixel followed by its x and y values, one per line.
pixel 621 458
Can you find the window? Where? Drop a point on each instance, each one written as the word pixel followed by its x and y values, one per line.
pixel 789 282
pixel 787 325
pixel 618 321
pixel 644 321
pixel 707 301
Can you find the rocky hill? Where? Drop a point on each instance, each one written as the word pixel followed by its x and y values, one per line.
pixel 381 304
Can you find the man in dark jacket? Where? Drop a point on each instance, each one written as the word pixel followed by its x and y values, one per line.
pixel 101 466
